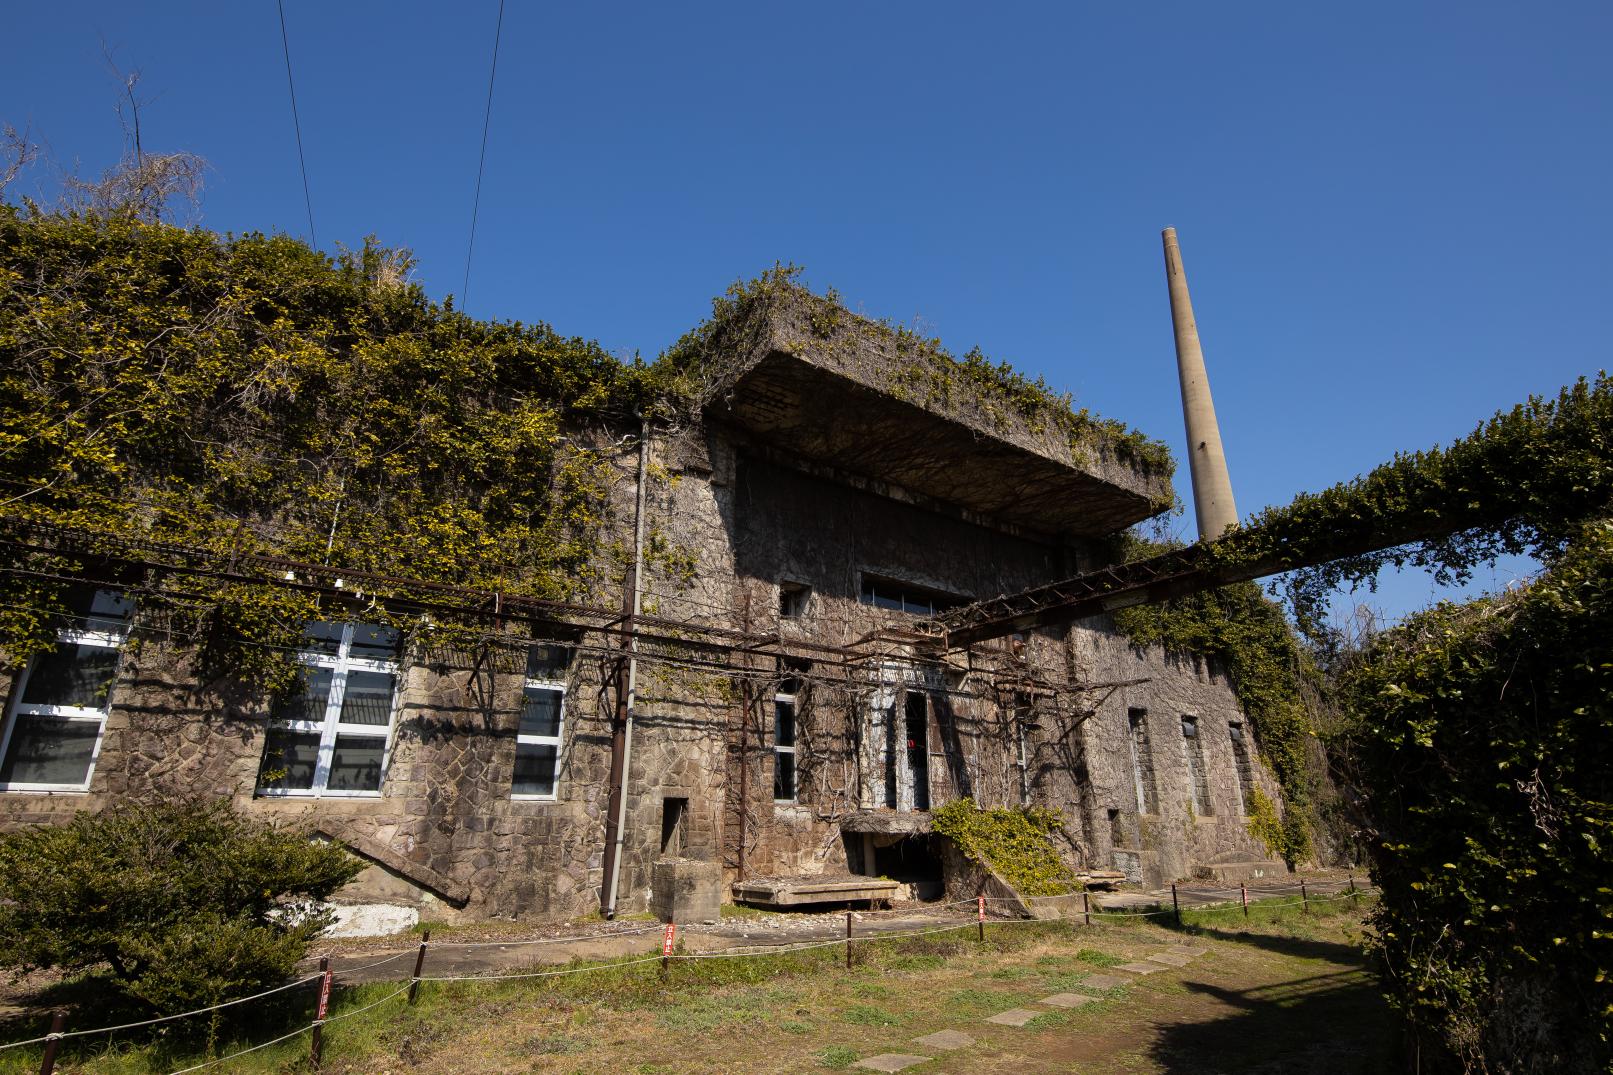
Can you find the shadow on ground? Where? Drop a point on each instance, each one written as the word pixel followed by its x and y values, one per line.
pixel 1333 1022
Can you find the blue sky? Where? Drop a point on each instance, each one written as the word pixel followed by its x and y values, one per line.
pixel 1394 216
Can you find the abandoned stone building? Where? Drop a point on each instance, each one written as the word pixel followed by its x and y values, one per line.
pixel 826 508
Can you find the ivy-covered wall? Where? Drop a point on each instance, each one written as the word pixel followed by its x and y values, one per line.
pixel 1482 741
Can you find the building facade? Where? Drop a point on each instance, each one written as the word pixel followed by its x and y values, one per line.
pixel 823 510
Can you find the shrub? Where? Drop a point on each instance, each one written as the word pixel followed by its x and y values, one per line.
pixel 182 903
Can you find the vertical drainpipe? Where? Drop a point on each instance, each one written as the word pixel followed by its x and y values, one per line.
pixel 1212 485
pixel 626 693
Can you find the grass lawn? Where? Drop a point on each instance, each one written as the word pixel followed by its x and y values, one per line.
pixel 1277 992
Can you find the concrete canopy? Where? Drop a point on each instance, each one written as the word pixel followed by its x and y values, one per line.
pixel 856 397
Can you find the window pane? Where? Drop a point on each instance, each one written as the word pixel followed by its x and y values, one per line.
pixel 109 611
pixel 49 750
pixel 310 701
pixel 535 767
pixel 289 759
pixel 541 713
pixel 548 662
pixel 368 698
pixel 784 776
pixel 322 637
pixel 72 674
pixel 784 724
pixel 373 642
pixel 355 764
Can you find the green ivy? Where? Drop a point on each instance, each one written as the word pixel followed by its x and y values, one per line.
pixel 1482 744
pixel 1523 482
pixel 1013 842
pixel 248 394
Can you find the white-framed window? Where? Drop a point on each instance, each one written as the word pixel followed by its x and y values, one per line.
pixel 333 737
pixel 784 713
pixel 53 730
pixel 543 720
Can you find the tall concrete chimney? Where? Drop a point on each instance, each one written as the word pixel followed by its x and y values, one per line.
pixel 1212 486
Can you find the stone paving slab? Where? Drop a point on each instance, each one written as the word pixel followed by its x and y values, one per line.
pixel 1141 968
pixel 1067 1000
pixel 943 1040
pixel 1170 959
pixel 1188 950
pixel 1103 982
pixel 1013 1017
pixel 890 1062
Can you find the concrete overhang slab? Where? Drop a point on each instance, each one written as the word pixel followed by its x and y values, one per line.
pixel 848 399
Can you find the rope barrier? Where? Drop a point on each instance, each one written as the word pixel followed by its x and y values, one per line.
pixel 164 1018
pixel 243 1052
pixel 374 1004
pixel 535 974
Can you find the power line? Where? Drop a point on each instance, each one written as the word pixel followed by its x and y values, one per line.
pixel 481 164
pixel 285 46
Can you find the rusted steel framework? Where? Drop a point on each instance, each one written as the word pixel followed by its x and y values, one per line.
pixel 108 559
pixel 1178 573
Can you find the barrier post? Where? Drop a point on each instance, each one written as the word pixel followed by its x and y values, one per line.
pixel 53 1042
pixel 1243 890
pixel 1086 908
pixel 316 1043
pixel 848 940
pixel 1177 904
pixel 1304 899
pixel 1355 897
pixel 982 922
pixel 667 943
pixel 419 965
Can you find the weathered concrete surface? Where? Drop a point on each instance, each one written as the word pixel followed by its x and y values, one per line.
pixel 1013 1017
pixel 1212 486
pixel 804 891
pixel 685 890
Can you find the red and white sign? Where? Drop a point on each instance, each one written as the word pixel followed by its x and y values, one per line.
pixel 982 908
pixel 324 995
pixel 667 941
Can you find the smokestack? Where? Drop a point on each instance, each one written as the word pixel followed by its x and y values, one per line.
pixel 1212 486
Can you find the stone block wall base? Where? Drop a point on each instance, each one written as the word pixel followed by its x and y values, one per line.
pixel 685 890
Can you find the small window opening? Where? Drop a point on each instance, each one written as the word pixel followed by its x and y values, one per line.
pixel 1240 755
pixel 1117 830
pixel 673 812
pixel 1142 762
pixel 1193 747
pixel 793 599
pixel 905 597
